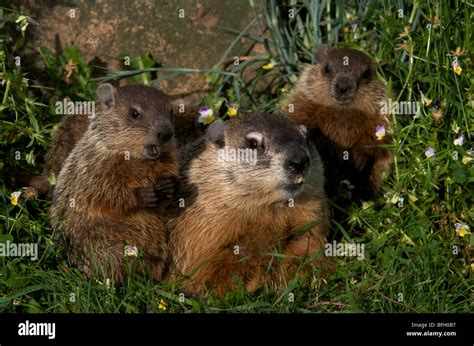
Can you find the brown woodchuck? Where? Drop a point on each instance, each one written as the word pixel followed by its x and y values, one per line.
pixel 340 101
pixel 115 184
pixel 235 210
pixel 184 120
pixel 73 127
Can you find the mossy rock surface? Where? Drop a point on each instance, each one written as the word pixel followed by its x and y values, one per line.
pixel 106 29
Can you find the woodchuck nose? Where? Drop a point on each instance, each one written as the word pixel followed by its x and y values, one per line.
pixel 112 190
pixel 340 102
pixel 250 187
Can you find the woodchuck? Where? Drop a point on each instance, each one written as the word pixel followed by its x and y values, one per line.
pixel 340 102
pixel 250 187
pixel 112 190
pixel 73 127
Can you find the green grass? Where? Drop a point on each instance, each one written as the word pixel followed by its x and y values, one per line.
pixel 415 260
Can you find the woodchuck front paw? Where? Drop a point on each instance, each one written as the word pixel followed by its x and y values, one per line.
pixel 166 188
pixel 146 197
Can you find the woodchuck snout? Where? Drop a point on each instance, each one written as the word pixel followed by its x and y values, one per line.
pixel 251 187
pixel 340 100
pixel 112 190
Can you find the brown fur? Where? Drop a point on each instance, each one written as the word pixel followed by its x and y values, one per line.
pixel 110 210
pixel 228 205
pixel 335 127
pixel 184 123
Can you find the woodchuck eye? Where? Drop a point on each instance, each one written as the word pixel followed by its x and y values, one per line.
pixel 327 68
pixel 134 113
pixel 367 74
pixel 254 144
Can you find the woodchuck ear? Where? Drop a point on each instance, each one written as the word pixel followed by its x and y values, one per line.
pixel 321 52
pixel 215 133
pixel 155 84
pixel 303 130
pixel 373 64
pixel 106 94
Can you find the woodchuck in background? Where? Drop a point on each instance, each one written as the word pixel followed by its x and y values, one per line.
pixel 252 186
pixel 112 190
pixel 70 131
pixel 340 101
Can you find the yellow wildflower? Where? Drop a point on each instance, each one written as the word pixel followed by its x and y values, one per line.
pixel 455 127
pixel 130 251
pixel 162 305
pixel 462 229
pixel 395 198
pixel 206 115
pixel 14 197
pixel 270 65
pixel 466 159
pixel 209 120
pixel 232 110
pixel 23 21
pixel 380 132
pixel 426 101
